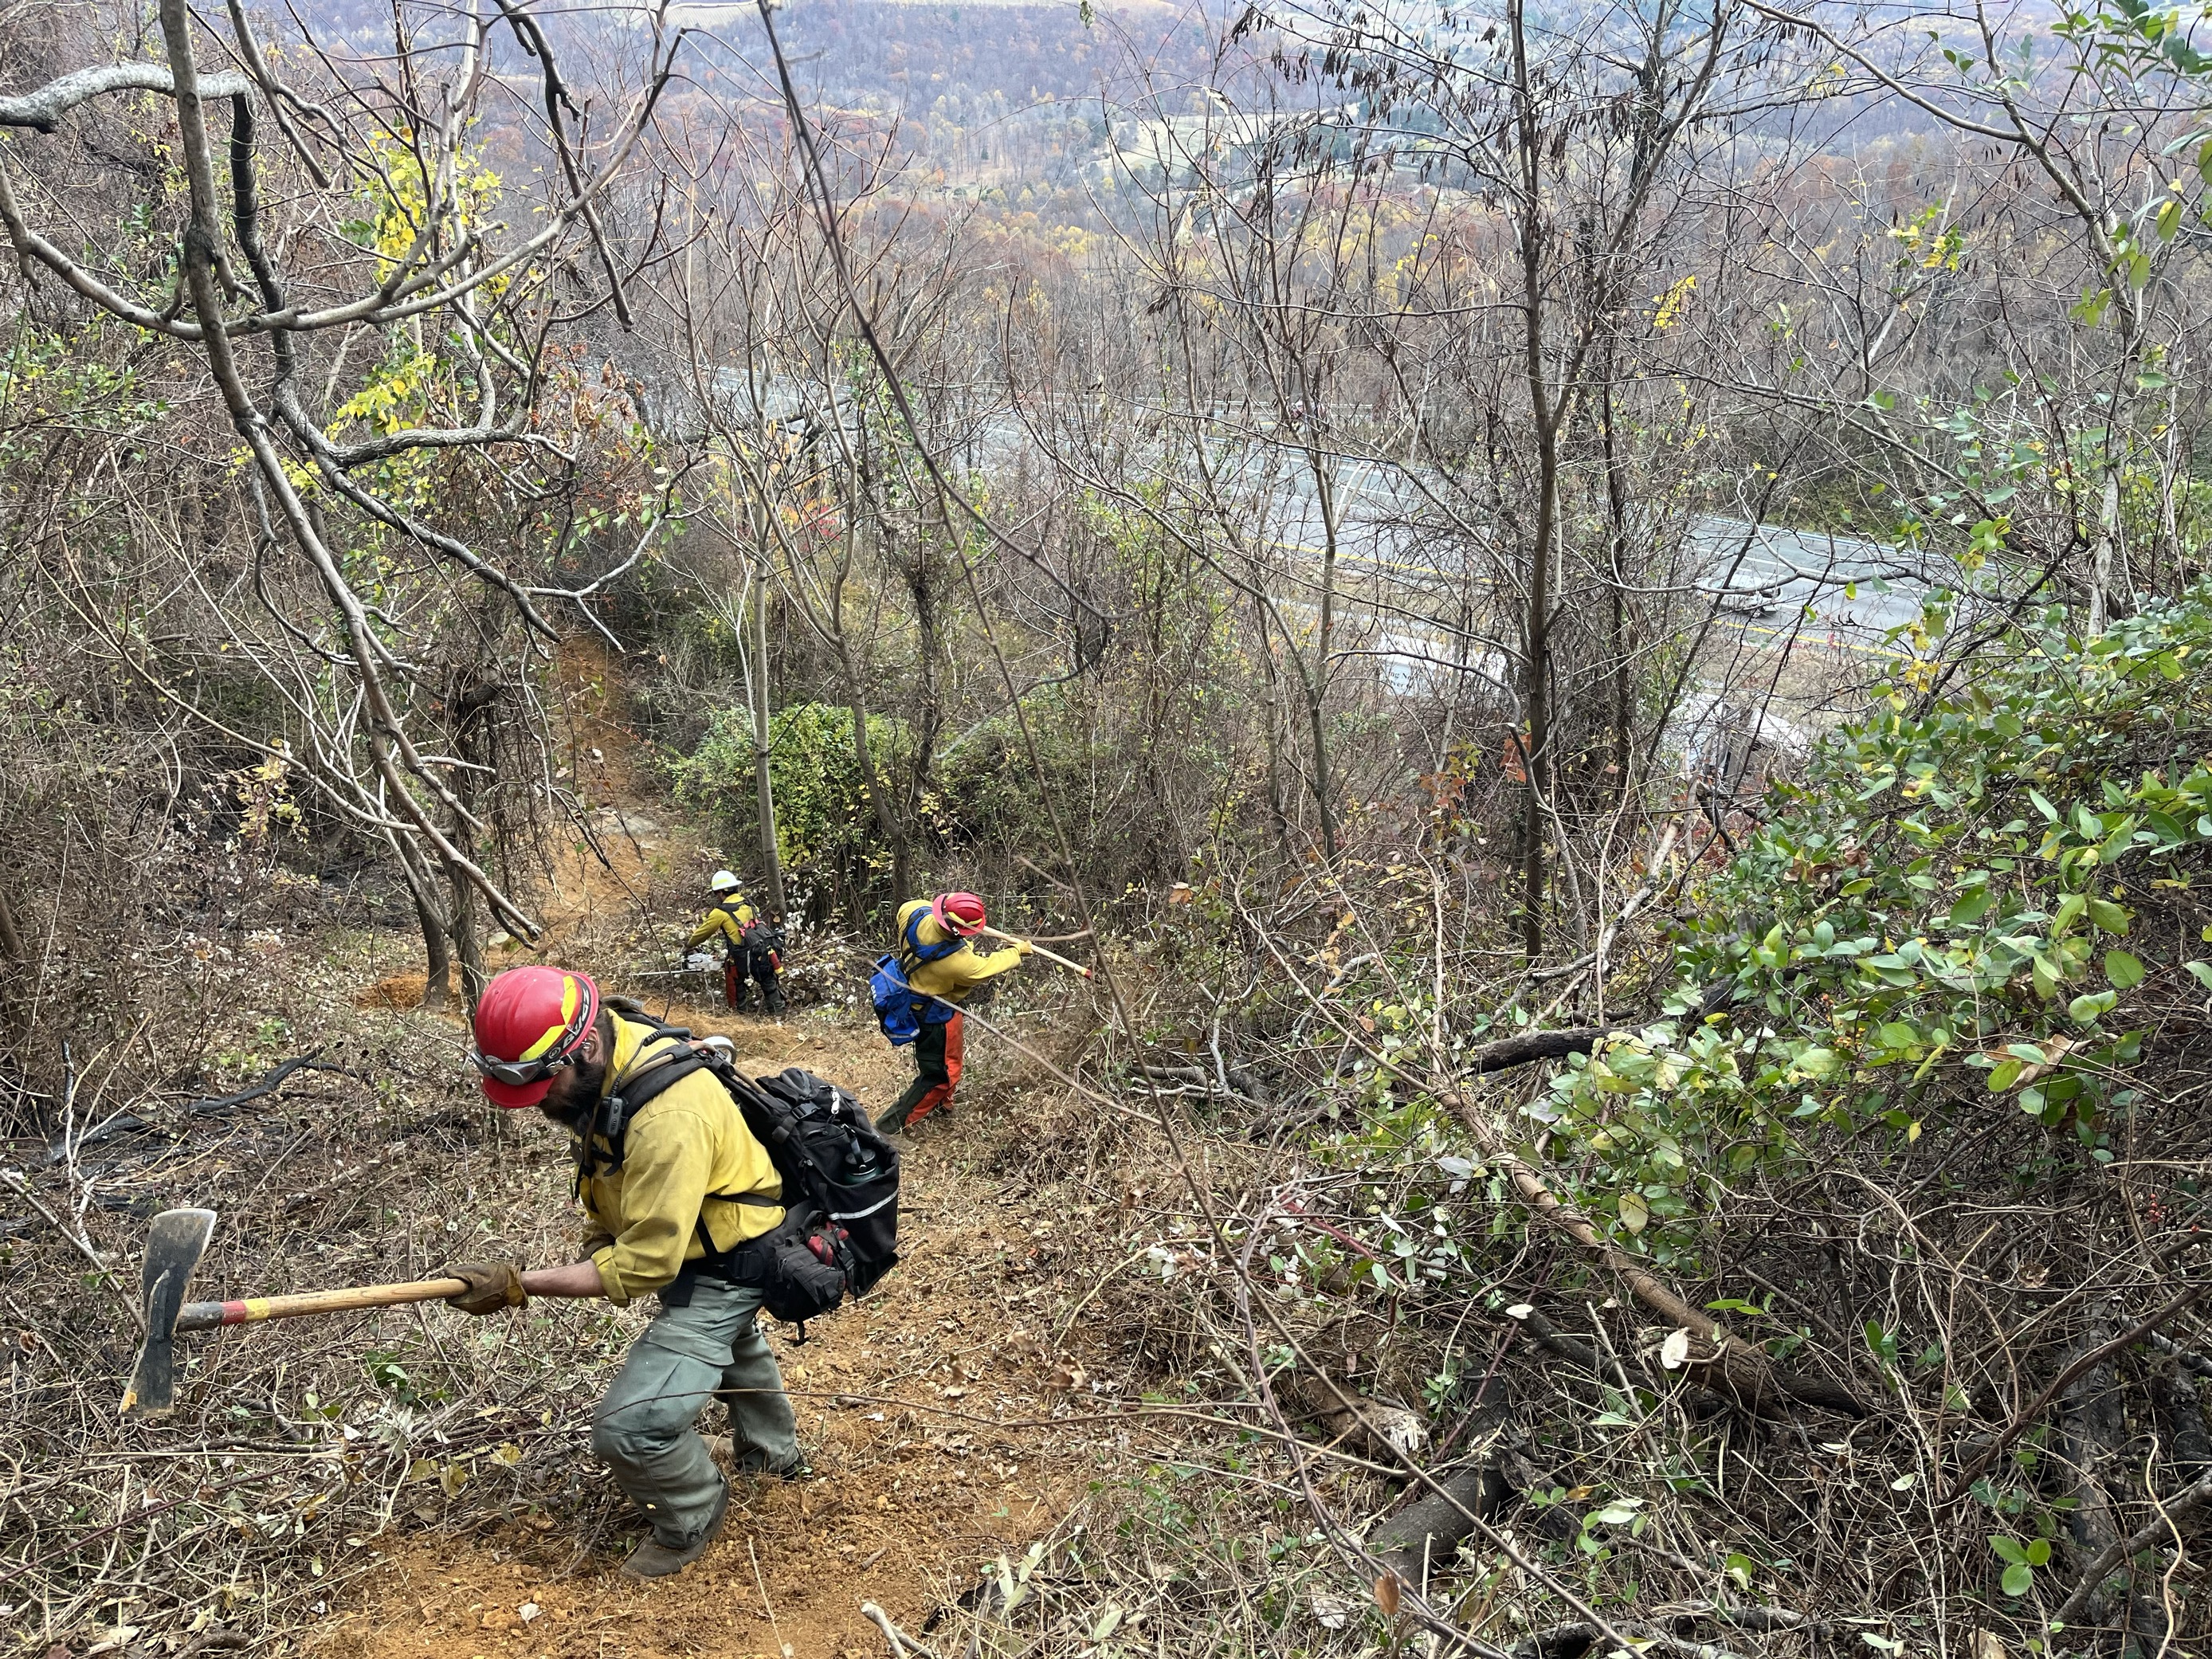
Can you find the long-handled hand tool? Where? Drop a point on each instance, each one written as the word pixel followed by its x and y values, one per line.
pixel 175 1245
pixel 1049 956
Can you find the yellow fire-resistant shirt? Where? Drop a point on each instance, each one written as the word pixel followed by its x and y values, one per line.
pixel 728 920
pixel 687 1156
pixel 953 977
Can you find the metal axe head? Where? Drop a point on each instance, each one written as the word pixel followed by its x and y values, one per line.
pixel 175 1245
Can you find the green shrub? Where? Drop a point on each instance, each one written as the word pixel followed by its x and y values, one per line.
pixel 1977 897
pixel 825 826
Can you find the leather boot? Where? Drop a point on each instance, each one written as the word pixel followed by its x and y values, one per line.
pixel 654 1559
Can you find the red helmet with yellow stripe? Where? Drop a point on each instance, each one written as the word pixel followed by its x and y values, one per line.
pixel 530 1022
pixel 958 913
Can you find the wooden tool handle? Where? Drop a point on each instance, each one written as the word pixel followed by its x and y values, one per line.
pixel 1049 956
pixel 206 1316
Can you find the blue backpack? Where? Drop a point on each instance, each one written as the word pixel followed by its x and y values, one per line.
pixel 900 1009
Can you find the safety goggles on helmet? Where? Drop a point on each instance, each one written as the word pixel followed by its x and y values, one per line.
pixel 518 1072
pixel 958 913
pixel 530 1026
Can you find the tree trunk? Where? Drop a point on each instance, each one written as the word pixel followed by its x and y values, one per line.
pixel 2092 1420
pixel 468 943
pixel 756 698
pixel 1271 716
pixel 1545 417
pixel 1536 652
pixel 2100 567
pixel 880 797
pixel 1616 644
pixel 926 718
pixel 471 703
pixel 1317 685
pixel 438 967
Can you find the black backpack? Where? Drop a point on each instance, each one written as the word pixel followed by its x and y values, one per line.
pixel 840 1178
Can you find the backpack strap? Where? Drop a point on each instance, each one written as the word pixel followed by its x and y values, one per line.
pixel 926 953
pixel 769 1124
pixel 610 1118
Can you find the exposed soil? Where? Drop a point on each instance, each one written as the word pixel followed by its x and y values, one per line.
pixel 926 1410
pixel 922 1410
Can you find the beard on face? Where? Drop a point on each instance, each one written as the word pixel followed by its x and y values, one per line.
pixel 576 1090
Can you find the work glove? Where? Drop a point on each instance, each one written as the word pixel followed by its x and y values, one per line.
pixel 493 1286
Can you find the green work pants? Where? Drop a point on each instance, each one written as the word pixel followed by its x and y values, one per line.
pixel 642 1429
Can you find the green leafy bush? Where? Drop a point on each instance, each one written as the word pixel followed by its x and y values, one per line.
pixel 825 827
pixel 1979 894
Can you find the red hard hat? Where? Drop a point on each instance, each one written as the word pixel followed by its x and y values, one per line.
pixel 530 1021
pixel 958 913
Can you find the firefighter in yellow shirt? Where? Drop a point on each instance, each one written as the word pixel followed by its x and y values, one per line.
pixel 668 1197
pixel 750 944
pixel 943 965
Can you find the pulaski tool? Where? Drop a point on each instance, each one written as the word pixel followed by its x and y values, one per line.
pixel 1049 956
pixel 175 1245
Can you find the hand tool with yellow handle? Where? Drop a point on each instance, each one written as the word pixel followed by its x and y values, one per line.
pixel 1049 956
pixel 175 1245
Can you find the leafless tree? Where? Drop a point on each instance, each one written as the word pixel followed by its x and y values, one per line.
pixel 275 289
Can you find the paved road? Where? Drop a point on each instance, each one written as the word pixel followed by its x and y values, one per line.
pixel 1808 589
pixel 1858 588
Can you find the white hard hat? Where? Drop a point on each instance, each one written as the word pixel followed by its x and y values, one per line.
pixel 721 879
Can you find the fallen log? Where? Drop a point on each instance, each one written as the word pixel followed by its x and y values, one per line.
pixel 114 1128
pixel 1527 1048
pixel 273 1080
pixel 1422 1539
pixel 1704 1365
pixel 1574 1641
pixel 2096 1356
pixel 2092 1432
pixel 1735 1370
pixel 1743 1618
pixel 2161 1531
pixel 1383 1426
pixel 1571 1348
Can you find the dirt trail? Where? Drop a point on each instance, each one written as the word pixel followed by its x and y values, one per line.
pixel 606 874
pixel 903 1401
pixel 900 1402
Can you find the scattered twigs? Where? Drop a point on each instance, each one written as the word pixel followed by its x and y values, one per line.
pixel 2188 1359
pixel 76 1240
pixel 760 1583
pixel 901 1644
pixel 1596 957
pixel 139 1516
pixel 2026 1418
pixel 1730 1367
pixel 1250 1310
pixel 2113 1554
pixel 1198 1077
pixel 1572 1641
pixel 270 1082
pixel 123 1123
